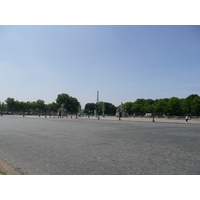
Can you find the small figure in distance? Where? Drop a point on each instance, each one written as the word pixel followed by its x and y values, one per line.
pixel 186 119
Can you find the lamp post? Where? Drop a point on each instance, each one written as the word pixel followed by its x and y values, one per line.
pixel 76 111
pixel 95 110
pixel 98 111
pixel 79 110
pixel 153 113
pixel 1 106
pixel 103 109
pixel 45 110
pixel 119 110
pixel 23 111
pixel 66 113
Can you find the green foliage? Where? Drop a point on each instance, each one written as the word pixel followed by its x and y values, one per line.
pixel 138 107
pixel 172 106
pixel 90 107
pixel 128 106
pixel 2 107
pixel 186 106
pixel 161 106
pixel 62 98
pixel 52 107
pixel 195 106
pixel 40 105
pixel 109 109
pixel 71 103
pixel 192 97
pixel 11 105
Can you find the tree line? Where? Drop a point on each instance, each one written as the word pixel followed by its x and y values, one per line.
pixel 109 108
pixel 71 105
pixel 168 106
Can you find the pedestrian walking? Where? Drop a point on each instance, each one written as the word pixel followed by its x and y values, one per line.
pixel 186 119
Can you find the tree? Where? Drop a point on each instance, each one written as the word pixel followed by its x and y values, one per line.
pixel 33 106
pixel 192 97
pixel 138 107
pixel 187 104
pixel 160 106
pixel 11 105
pixel 2 107
pixel 174 106
pixel 148 105
pixel 40 105
pixel 28 106
pixel 128 106
pixel 62 98
pixel 99 108
pixel 110 109
pixel 52 107
pixel 22 106
pixel 195 106
pixel 149 108
pixel 90 107
pixel 71 103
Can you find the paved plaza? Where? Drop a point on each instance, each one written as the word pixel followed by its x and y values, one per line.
pixel 88 146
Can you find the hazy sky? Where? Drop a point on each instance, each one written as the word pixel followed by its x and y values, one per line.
pixel 123 62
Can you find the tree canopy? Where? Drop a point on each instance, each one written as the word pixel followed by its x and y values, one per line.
pixel 173 106
pixel 167 106
pixel 109 108
pixel 71 104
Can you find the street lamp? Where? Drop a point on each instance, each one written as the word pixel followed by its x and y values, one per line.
pixel 153 113
pixel 103 109
pixel 79 110
pixel 23 111
pixel 45 110
pixel 98 111
pixel 1 106
pixel 76 111
pixel 119 110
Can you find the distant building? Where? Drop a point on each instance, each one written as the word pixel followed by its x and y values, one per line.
pixel 121 111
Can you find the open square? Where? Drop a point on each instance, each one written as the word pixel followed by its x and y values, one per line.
pixel 61 146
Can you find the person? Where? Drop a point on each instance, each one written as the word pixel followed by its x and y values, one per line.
pixel 186 119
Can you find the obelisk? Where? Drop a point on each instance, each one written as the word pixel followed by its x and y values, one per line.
pixel 97 96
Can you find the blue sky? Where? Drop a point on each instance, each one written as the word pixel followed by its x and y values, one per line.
pixel 123 62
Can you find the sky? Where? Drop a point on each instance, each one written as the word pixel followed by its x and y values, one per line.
pixel 122 62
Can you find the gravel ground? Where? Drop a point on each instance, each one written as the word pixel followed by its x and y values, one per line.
pixel 33 145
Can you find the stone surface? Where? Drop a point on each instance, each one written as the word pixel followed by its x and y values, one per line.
pixel 34 145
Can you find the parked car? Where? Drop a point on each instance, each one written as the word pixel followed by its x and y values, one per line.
pixel 6 113
pixel 148 115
